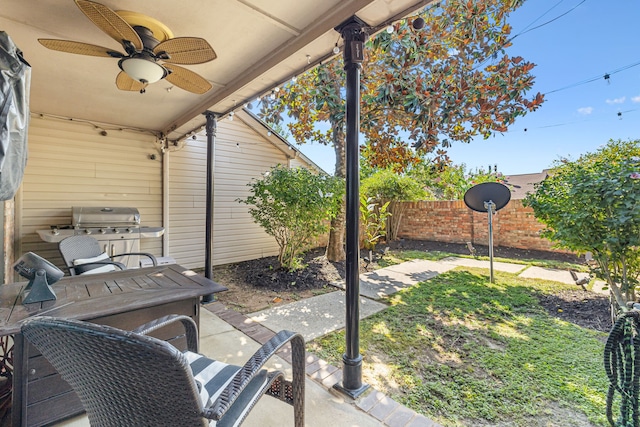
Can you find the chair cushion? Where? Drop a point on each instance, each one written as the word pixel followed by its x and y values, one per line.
pixel 93 269
pixel 211 376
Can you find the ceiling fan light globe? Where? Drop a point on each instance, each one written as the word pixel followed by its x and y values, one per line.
pixel 143 70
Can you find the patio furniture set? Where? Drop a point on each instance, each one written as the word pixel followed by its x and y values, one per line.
pixel 86 350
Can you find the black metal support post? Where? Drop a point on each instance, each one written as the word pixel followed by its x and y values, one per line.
pixel 352 31
pixel 211 128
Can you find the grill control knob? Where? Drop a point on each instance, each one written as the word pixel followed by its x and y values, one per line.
pixel 103 231
pixel 116 231
pixel 129 230
pixel 87 231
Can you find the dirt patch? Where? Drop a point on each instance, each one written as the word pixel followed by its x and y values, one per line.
pixel 586 309
pixel 553 416
pixel 258 284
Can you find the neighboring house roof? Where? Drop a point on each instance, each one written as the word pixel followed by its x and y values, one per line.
pixel 522 184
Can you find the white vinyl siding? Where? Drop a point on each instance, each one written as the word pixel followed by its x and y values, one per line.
pixel 298 162
pixel 240 155
pixel 72 164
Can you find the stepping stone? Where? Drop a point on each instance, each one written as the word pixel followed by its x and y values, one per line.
pixel 389 280
pixel 562 276
pixel 498 266
pixel 313 317
pixel 598 286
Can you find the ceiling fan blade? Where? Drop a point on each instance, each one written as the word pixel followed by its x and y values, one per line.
pixel 124 82
pixel 187 80
pixel 186 50
pixel 110 22
pixel 80 48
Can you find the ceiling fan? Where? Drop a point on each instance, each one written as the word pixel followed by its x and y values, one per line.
pixel 151 50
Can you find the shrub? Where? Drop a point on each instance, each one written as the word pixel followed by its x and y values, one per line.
pixel 373 218
pixel 593 205
pixel 449 181
pixel 294 206
pixel 387 186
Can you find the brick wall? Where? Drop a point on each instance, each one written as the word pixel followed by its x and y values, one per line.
pixel 452 221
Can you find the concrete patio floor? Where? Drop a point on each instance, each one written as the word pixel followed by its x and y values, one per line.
pixel 323 407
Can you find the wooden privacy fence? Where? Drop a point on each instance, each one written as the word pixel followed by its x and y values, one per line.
pixel 453 222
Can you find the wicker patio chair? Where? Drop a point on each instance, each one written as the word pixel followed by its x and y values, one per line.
pixel 82 254
pixel 129 379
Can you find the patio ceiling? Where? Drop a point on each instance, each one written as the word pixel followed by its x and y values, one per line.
pixel 259 44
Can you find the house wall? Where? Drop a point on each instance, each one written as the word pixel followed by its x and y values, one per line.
pixel 452 221
pixel 71 164
pixel 298 162
pixel 241 155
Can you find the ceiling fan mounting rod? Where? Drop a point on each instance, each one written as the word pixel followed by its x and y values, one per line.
pixel 146 35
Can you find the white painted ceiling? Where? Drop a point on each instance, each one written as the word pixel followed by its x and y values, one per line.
pixel 259 43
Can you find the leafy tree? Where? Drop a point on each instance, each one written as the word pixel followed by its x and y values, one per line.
pixel 294 206
pixel 388 187
pixel 446 181
pixel 450 81
pixel 593 205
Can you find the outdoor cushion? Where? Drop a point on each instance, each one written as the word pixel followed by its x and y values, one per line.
pixel 212 376
pixel 92 269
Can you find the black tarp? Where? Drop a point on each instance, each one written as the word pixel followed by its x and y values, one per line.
pixel 15 80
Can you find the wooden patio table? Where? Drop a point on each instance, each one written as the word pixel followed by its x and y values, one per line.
pixel 123 299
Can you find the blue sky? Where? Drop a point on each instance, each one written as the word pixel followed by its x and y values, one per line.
pixel 593 39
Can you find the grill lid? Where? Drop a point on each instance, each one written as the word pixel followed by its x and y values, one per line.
pixel 84 216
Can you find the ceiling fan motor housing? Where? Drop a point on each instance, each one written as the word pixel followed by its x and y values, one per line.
pixel 146 35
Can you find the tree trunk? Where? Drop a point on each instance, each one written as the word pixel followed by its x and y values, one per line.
pixel 396 209
pixel 335 246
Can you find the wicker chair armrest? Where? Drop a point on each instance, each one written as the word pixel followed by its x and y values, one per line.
pixel 81 267
pixel 190 328
pixel 254 365
pixel 148 255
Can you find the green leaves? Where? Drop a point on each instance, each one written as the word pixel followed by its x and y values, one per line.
pixel 294 206
pixel 387 185
pixel 373 217
pixel 450 81
pixel 593 205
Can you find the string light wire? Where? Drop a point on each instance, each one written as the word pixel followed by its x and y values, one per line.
pixel 605 76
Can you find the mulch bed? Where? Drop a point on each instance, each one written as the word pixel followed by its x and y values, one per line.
pixel 586 309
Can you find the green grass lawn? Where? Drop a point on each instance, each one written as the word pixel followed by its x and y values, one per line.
pixel 465 352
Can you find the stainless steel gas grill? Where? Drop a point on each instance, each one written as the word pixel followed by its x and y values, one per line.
pixel 118 229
